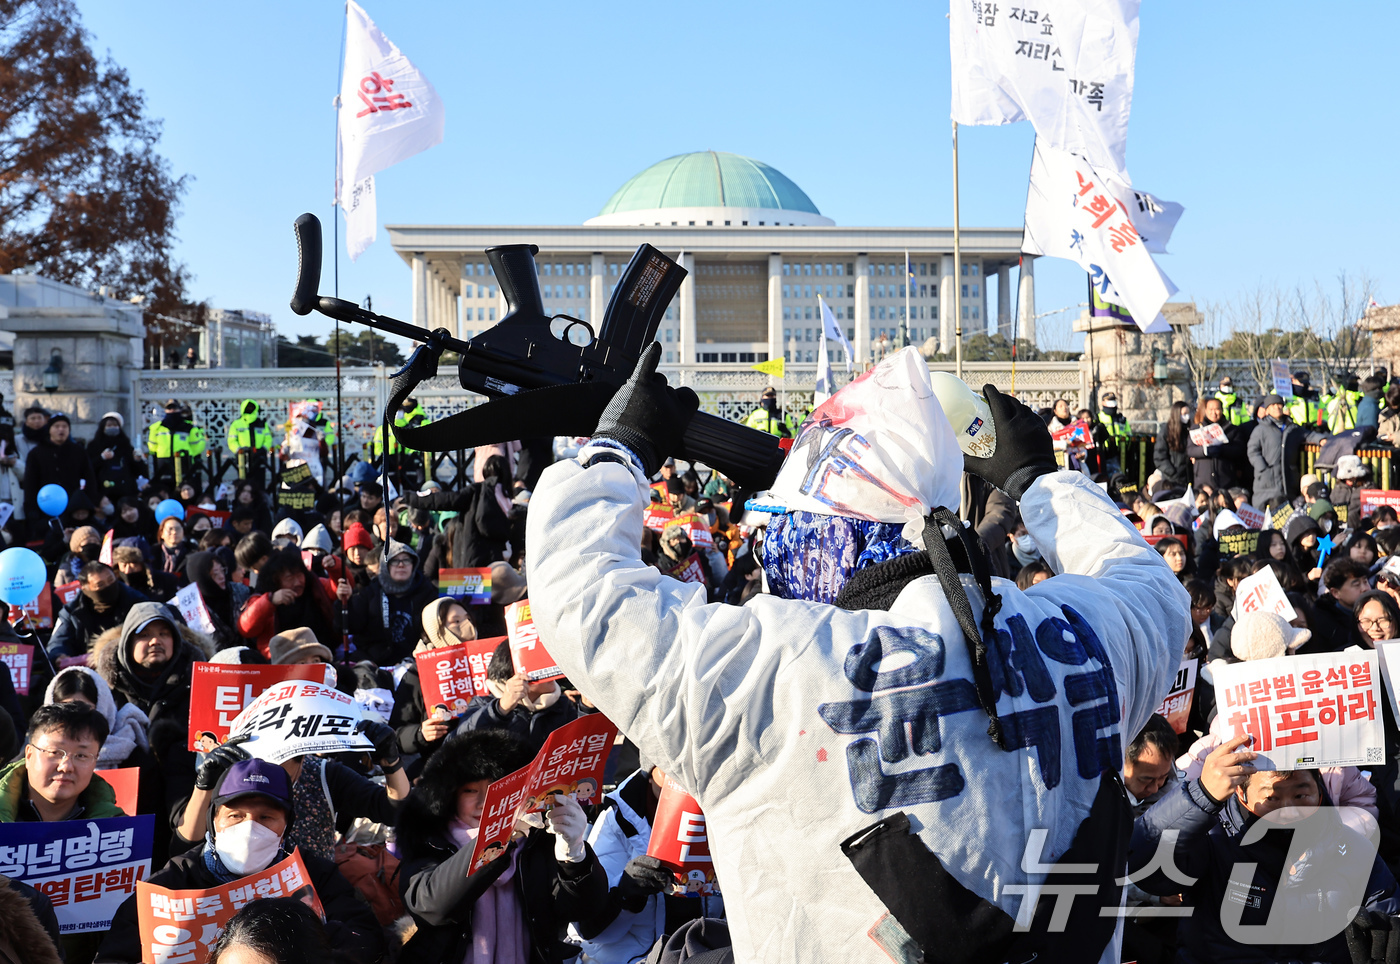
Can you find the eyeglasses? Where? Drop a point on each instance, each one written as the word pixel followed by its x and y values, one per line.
pixel 1380 622
pixel 55 755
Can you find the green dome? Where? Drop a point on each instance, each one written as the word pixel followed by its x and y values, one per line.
pixel 709 179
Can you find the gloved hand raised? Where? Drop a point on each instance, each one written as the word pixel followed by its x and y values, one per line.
pixel 642 877
pixel 1024 449
pixel 218 760
pixel 647 415
pixel 386 743
pixel 568 824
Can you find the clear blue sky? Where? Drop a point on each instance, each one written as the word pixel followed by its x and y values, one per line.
pixel 1274 125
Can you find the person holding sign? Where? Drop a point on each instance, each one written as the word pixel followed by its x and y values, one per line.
pixel 1214 447
pixel 249 816
pixel 445 623
pixel 514 908
pixel 526 710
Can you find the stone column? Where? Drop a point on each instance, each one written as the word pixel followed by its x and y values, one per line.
pixel 1004 301
pixel 1028 298
pixel 775 305
pixel 597 296
pixel 862 309
pixel 420 290
pixel 463 329
pixel 948 303
pixel 686 338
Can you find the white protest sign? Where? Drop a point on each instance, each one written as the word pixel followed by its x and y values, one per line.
pixel 1305 711
pixel 1250 516
pixel 1262 592
pixel 1177 705
pixel 1208 434
pixel 1283 378
pixel 191 606
pixel 295 718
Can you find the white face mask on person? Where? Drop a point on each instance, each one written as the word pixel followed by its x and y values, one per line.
pixel 1185 416
pixel 247 847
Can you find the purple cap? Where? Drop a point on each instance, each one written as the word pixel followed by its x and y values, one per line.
pixel 256 777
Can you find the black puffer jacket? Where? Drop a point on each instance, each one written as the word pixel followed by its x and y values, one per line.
pixel 1174 466
pixel 65 465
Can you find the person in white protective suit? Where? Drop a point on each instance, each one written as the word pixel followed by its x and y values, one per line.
pixel 897 758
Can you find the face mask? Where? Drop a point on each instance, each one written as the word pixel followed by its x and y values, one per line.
pixel 682 549
pixel 1026 543
pixel 107 595
pixel 1186 417
pixel 1110 406
pixel 1326 525
pixel 247 847
pixel 111 430
pixel 770 405
pixel 1228 389
pixel 90 551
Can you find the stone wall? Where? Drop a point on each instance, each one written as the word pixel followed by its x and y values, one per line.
pixel 1119 358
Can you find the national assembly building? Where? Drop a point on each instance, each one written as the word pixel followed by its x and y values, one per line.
pixel 759 253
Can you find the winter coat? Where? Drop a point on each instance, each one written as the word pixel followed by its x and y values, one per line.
pixel 64 465
pixel 481 540
pixel 79 623
pixel 28 925
pixel 1368 410
pixel 97 801
pixel 116 476
pixel 258 619
pixel 438 891
pixel 374 640
pixel 1348 496
pixel 1209 849
pixel 735 701
pixel 1215 467
pixel 534 727
pixel 1273 451
pixel 1175 466
pixel 351 928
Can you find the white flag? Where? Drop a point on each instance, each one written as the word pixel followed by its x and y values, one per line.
pixel 824 388
pixel 1067 67
pixel 1153 219
pixel 388 110
pixel 361 220
pixel 1072 212
pixel 830 329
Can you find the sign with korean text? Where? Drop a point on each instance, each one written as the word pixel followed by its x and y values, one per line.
pixel 657 516
pixel 296 500
pixel 295 473
pixel 191 605
pixel 126 785
pixel 182 925
pixel 20 658
pixel 526 651
pixel 1238 543
pixel 86 868
pixel 218 517
pixel 571 761
pixel 1283 378
pixel 1208 434
pixel 686 570
pixel 452 675
pixel 1281 516
pixel 1371 499
pixel 471 586
pixel 1308 711
pixel 1177 706
pixel 296 718
pixel 39 610
pixel 221 691
pixel 697 528
pixel 1252 517
pixel 1262 591
pixel 680 840
pixel 1074 435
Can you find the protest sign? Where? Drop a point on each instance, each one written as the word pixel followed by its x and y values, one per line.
pixel 296 500
pixel 182 925
pixel 1238 543
pixel 686 570
pixel 657 516
pixel 39 610
pixel 526 651
pixel 191 606
pixel 470 586
pixel 218 517
pixel 1281 516
pixel 66 594
pixel 1308 711
pixel 1075 435
pixel 104 555
pixel 697 528
pixel 220 691
pixel 451 676
pixel 125 783
pixel 1262 592
pixel 1177 706
pixel 1371 499
pixel 295 718
pixel 571 761
pixel 20 658
pixel 1282 377
pixel 1252 517
pixel 1152 540
pixel 295 473
pixel 680 841
pixel 86 868
pixel 1208 434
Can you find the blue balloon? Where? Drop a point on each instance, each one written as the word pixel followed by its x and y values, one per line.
pixel 53 499
pixel 168 508
pixel 22 575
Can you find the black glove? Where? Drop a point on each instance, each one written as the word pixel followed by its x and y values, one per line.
pixel 218 760
pixel 647 415
pixel 386 743
pixel 642 877
pixel 1024 450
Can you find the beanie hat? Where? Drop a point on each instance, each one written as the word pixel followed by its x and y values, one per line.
pixel 121 422
pixel 292 645
pixel 1265 635
pixel 82 536
pixel 357 535
pixel 1319 508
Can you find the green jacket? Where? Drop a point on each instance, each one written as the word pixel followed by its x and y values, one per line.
pixel 1302 410
pixel 249 430
pixel 1117 427
pixel 1236 411
pixel 782 427
pixel 414 418
pixel 98 800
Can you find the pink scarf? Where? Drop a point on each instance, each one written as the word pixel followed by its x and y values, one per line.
pixel 499 935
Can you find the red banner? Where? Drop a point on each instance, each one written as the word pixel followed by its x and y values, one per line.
pixel 1176 707
pixel 697 528
pixel 125 783
pixel 657 516
pixel 218 517
pixel 20 658
pixel 182 925
pixel 526 651
pixel 679 840
pixel 451 676
pixel 571 761
pixel 220 691
pixel 1372 498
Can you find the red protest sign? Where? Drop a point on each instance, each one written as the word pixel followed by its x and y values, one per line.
pixel 40 608
pixel 687 570
pixel 220 691
pixel 218 517
pixel 679 840
pixel 182 925
pixel 125 783
pixel 1371 499
pixel 1177 705
pixel 571 761
pixel 452 675
pixel 526 651
pixel 1152 540
pixel 20 658
pixel 657 516
pixel 697 528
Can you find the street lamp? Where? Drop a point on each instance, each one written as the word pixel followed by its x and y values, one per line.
pixel 53 371
pixel 1160 371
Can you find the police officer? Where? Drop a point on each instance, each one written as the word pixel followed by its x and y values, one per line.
pixel 1115 423
pixel 411 414
pixel 1341 405
pixel 250 440
pixel 838 733
pixel 1303 408
pixel 768 417
pixel 1236 410
pixel 176 443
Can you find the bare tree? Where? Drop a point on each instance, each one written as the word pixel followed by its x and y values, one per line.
pixel 1197 345
pixel 1329 321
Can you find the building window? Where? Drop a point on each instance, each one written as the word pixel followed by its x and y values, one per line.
pixel 787 313
pixel 493 314
pixel 974 291
pixel 668 334
pixel 880 269
pixel 964 270
pixel 726 224
pixel 964 291
pixel 964 307
pixel 709 224
pixel 839 270
pixel 612 269
pixel 882 312
pixel 787 356
pixel 741 223
pixel 806 291
pixel 746 356
pixel 872 312
pixel 807 312
pixel 787 334
pixel 668 358
pixel 850 334
pixel 809 335
pixel 976 312
pixel 974 270
pixel 729 357
pixel 787 269
pixel 708 357
pixel 850 291
pixel 901 291
pixel 933 313
pixel 785 291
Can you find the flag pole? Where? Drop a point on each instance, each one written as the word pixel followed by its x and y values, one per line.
pixel 957 258
pixel 335 248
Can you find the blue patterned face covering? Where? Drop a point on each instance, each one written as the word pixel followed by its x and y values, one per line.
pixel 810 556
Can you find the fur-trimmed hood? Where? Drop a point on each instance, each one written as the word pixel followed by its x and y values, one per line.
pixel 107 656
pixel 23 938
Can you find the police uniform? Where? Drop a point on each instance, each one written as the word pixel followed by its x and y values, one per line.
pixel 250 439
pixel 176 441
pixel 413 468
pixel 1236 411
